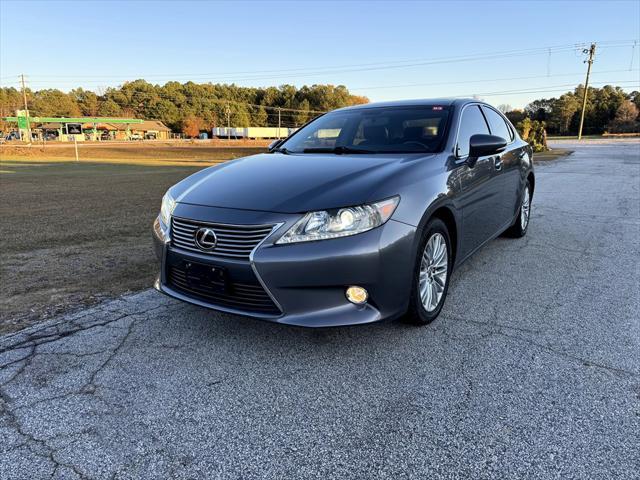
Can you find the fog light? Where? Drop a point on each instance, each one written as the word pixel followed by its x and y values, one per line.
pixel 357 295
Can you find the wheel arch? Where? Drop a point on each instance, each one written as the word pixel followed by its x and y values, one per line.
pixel 532 182
pixel 449 219
pixel 446 214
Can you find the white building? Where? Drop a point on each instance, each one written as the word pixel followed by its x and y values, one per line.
pixel 252 132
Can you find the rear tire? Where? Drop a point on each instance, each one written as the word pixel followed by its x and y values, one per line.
pixel 431 274
pixel 520 225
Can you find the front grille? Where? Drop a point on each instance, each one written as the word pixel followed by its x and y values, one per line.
pixel 239 296
pixel 234 241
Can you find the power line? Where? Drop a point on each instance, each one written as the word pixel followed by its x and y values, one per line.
pixel 387 67
pixel 431 84
pixel 377 87
pixel 374 64
pixel 569 85
pixel 553 88
pixel 549 90
pixel 311 71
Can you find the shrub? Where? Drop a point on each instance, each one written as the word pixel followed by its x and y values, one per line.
pixel 533 132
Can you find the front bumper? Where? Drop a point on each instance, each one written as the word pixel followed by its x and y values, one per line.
pixel 306 281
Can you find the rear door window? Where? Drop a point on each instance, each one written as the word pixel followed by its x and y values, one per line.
pixel 497 124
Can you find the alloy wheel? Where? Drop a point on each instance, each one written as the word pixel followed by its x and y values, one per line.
pixel 433 271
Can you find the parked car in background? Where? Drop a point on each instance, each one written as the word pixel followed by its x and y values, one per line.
pixel 14 135
pixel 359 216
pixel 135 136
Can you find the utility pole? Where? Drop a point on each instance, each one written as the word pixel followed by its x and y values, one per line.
pixel 279 122
pixel 591 51
pixel 228 112
pixel 26 109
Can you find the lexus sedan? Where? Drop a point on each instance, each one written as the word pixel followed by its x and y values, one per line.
pixel 360 215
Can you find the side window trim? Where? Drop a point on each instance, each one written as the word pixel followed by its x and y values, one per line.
pixel 455 145
pixel 504 119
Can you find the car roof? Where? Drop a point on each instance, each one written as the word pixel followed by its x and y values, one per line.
pixel 425 102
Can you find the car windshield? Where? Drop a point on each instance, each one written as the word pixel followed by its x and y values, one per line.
pixel 373 130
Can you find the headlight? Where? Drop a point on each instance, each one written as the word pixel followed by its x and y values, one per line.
pixel 168 205
pixel 341 222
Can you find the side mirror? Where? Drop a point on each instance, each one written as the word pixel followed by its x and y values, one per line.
pixel 274 144
pixel 481 145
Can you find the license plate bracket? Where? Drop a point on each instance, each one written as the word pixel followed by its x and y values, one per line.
pixel 208 276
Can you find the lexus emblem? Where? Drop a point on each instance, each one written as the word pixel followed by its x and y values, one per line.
pixel 206 239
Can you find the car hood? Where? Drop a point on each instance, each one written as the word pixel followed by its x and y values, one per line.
pixel 292 183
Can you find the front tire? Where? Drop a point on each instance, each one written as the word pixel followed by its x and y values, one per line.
pixel 431 274
pixel 519 227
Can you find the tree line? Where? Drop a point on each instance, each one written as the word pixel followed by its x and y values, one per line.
pixel 191 107
pixel 609 109
pixel 187 106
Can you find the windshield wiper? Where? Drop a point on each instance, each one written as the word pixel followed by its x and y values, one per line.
pixel 337 150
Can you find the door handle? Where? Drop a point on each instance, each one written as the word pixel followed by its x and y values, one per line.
pixel 497 162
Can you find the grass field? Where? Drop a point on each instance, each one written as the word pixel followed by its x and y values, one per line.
pixel 72 234
pixel 156 153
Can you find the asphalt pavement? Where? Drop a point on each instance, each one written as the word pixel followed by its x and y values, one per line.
pixel 531 371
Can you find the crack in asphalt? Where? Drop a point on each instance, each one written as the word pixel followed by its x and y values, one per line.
pixel 90 386
pixel 580 360
pixel 586 362
pixel 37 340
pixel 32 342
pixel 50 455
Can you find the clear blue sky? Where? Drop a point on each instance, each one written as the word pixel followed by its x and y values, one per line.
pixel 95 44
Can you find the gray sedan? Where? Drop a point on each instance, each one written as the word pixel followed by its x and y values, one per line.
pixel 361 215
